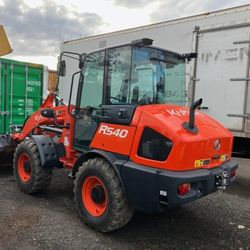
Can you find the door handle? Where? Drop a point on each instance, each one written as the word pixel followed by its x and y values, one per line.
pixel 122 113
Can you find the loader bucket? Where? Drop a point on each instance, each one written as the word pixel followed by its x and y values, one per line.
pixel 7 148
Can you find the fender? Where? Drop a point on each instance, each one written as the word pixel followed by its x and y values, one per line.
pixel 115 163
pixel 49 151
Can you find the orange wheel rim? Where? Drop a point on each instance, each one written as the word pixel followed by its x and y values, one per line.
pixel 24 167
pixel 94 196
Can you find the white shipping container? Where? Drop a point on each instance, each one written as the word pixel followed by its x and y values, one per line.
pixel 220 74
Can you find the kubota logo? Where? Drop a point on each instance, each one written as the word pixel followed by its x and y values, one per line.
pixel 106 130
pixel 38 118
pixel 217 144
pixel 181 112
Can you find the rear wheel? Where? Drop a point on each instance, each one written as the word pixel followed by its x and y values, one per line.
pixel 99 196
pixel 30 176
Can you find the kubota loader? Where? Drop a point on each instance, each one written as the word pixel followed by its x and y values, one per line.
pixel 127 144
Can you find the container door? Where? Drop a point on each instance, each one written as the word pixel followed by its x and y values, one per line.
pixel 220 60
pixel 34 90
pixel 23 93
pixel 15 94
pixel 2 99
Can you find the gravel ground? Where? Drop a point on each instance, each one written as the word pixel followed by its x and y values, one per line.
pixel 50 221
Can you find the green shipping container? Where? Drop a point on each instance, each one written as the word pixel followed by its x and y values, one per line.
pixel 21 88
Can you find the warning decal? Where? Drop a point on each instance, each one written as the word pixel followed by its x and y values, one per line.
pixel 202 162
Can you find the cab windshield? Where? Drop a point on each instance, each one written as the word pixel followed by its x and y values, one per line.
pixel 130 75
pixel 142 75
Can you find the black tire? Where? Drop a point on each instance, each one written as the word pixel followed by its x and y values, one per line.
pixel 117 212
pixel 37 178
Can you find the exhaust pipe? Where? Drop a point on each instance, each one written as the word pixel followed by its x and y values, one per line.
pixel 190 126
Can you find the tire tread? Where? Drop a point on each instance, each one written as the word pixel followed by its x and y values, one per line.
pixel 42 177
pixel 121 212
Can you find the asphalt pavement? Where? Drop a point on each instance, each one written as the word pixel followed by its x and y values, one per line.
pixel 243 172
pixel 50 221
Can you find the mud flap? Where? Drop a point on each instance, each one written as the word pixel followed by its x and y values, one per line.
pixel 7 149
pixel 49 151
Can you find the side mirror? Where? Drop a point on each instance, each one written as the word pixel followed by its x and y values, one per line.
pixel 61 68
pixel 48 113
pixel 189 56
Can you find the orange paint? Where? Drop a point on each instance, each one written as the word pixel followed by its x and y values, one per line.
pixel 187 147
pixel 111 137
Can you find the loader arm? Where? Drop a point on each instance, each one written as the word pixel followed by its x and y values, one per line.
pixel 36 120
pixel 34 123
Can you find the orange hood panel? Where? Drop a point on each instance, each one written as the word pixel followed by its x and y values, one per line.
pixel 190 151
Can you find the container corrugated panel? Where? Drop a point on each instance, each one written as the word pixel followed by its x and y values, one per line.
pixel 21 86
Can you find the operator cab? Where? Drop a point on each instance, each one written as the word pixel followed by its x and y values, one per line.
pixel 114 81
pixel 133 74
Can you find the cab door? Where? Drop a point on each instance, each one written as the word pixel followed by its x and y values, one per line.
pixel 118 108
pixel 90 100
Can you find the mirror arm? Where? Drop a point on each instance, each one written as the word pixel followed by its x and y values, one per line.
pixel 64 53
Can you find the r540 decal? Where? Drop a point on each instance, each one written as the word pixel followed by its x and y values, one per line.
pixel 106 130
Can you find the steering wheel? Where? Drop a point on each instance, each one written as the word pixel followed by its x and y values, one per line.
pixel 117 99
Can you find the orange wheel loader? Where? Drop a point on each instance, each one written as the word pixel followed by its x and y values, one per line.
pixel 127 141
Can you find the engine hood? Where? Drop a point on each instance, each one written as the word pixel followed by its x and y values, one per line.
pixel 174 116
pixel 210 147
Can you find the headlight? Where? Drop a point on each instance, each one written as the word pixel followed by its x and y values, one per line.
pixel 154 145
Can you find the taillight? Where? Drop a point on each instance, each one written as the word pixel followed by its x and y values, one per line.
pixel 183 188
pixel 233 173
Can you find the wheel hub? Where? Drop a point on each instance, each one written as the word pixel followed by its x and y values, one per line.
pixel 27 167
pixel 94 196
pixel 98 194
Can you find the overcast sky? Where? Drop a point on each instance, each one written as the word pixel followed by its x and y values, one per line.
pixel 36 27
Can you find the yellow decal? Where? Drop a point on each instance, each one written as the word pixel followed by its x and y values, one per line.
pixel 223 157
pixel 201 163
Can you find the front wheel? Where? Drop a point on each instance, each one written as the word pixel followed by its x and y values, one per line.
pixel 99 196
pixel 30 176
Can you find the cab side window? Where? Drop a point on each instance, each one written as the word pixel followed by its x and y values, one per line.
pixel 88 117
pixel 118 83
pixel 93 81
